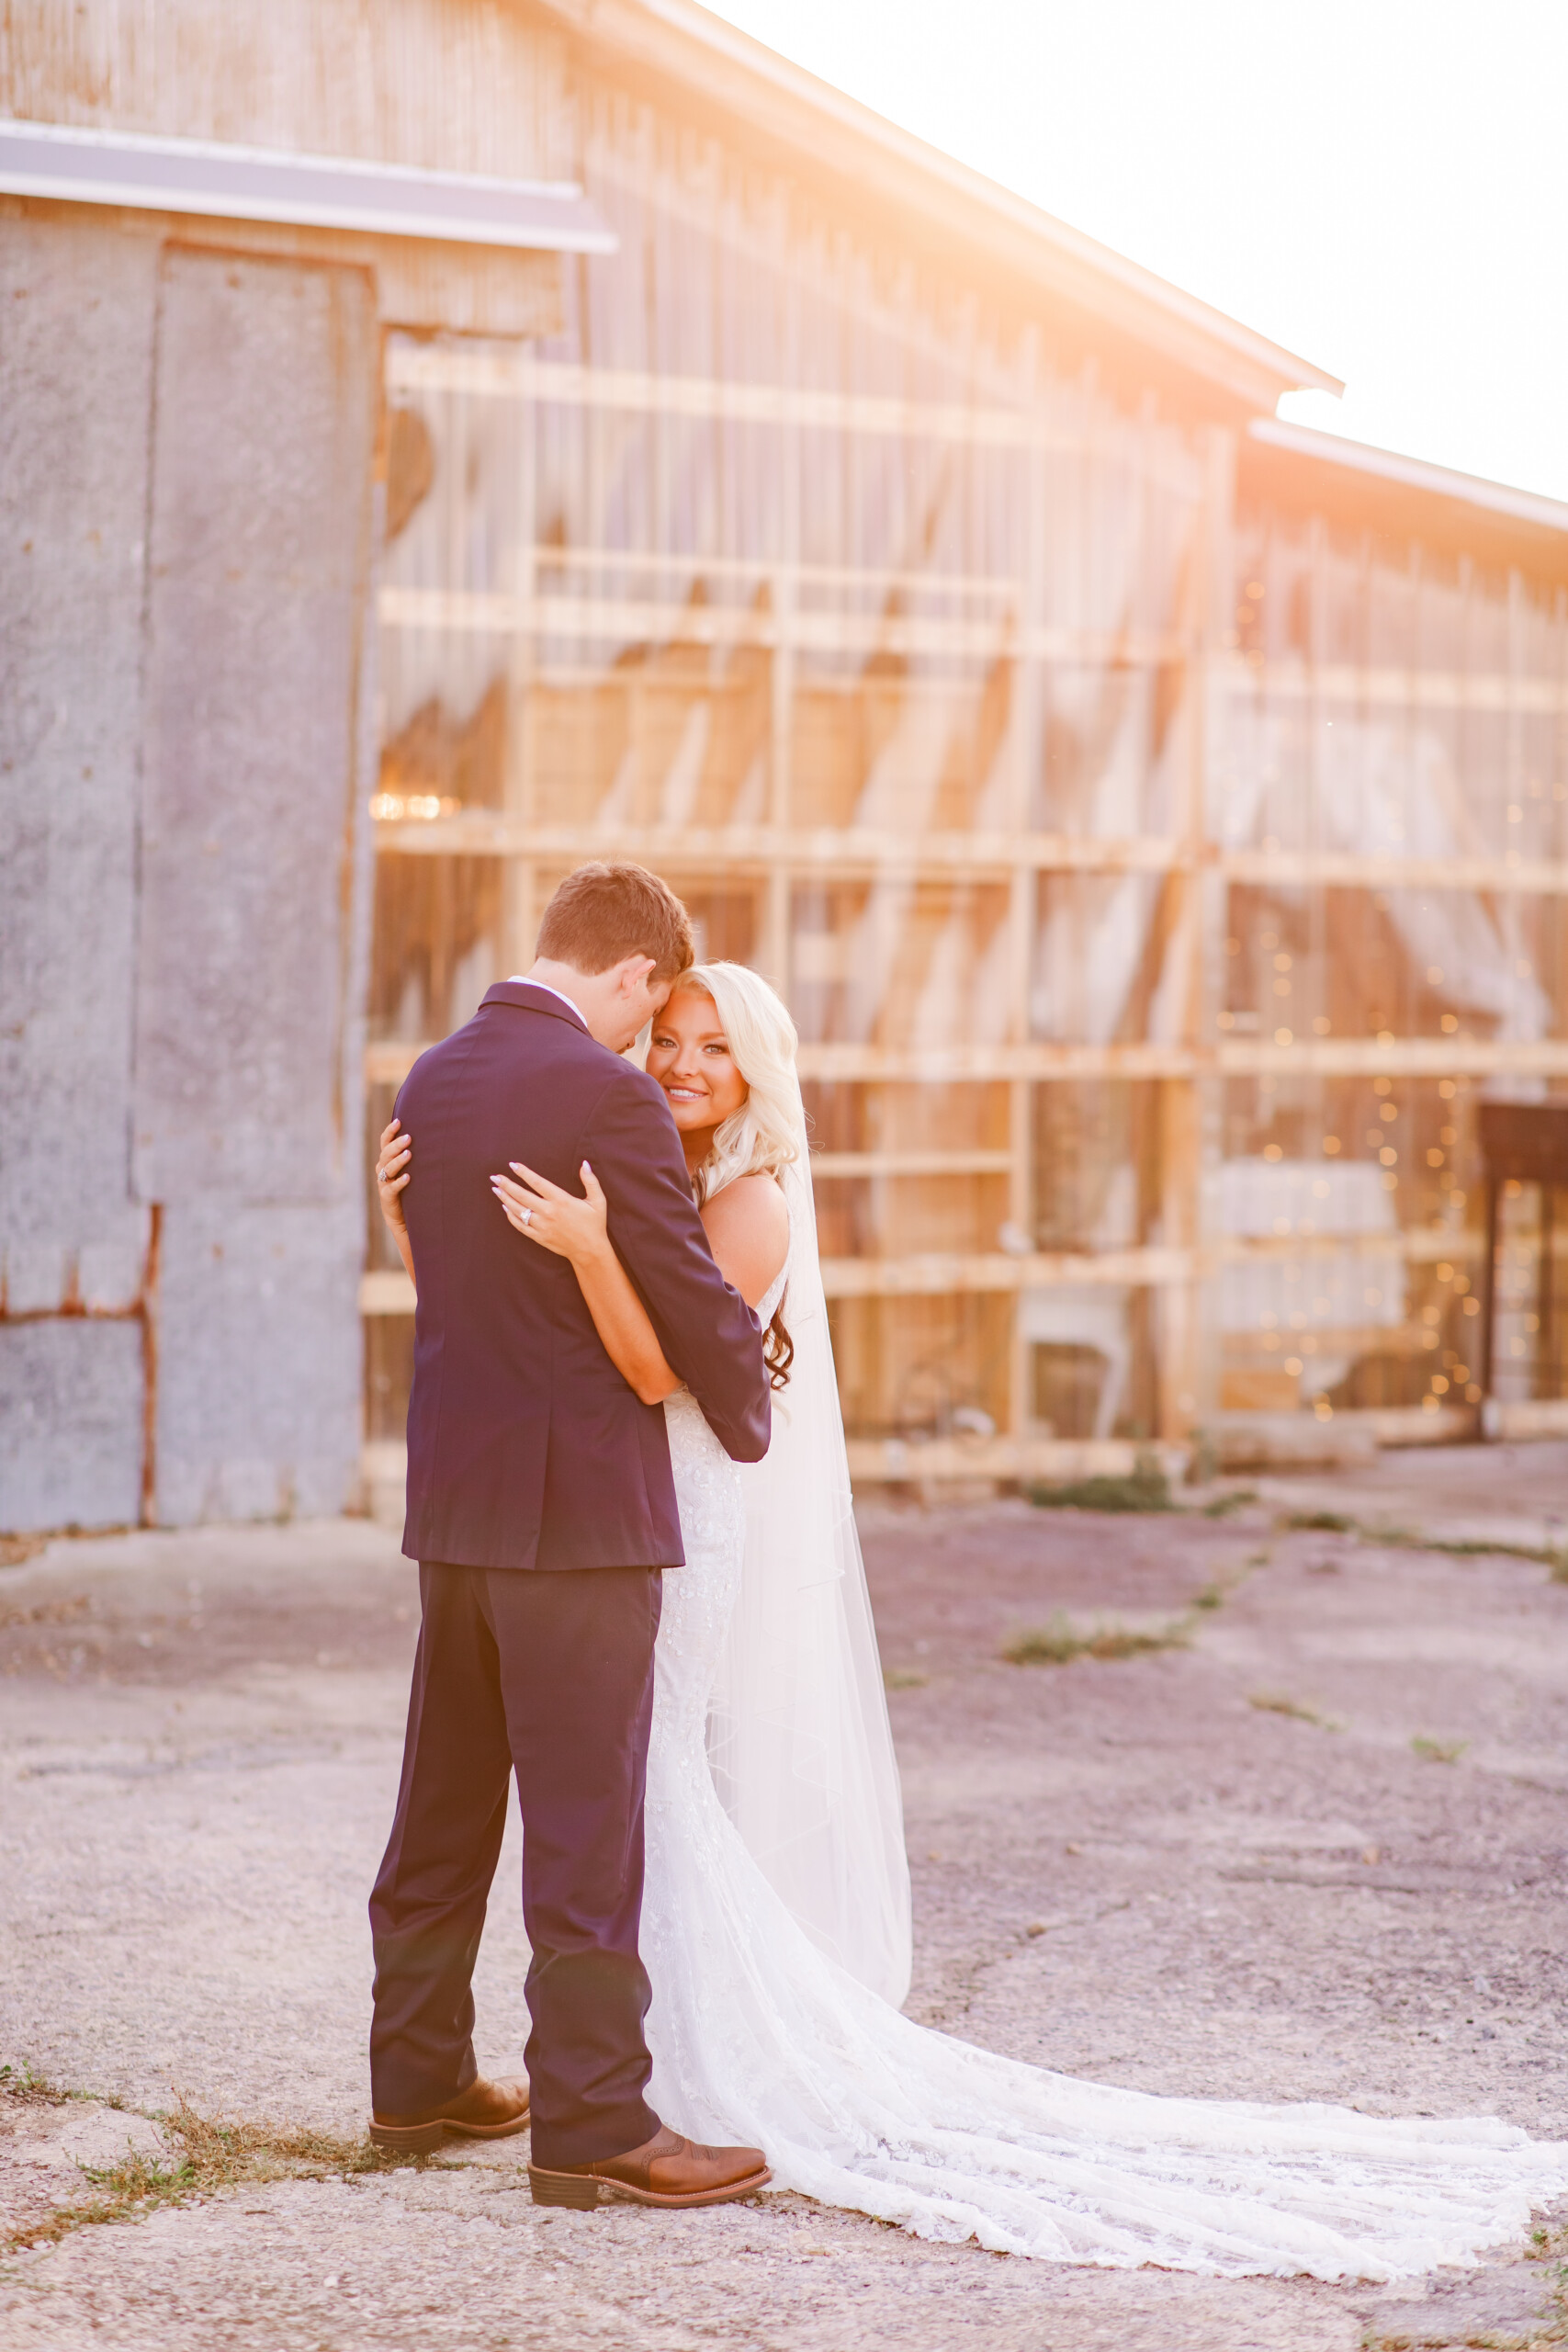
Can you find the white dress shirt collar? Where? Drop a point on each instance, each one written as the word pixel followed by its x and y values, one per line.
pixel 520 980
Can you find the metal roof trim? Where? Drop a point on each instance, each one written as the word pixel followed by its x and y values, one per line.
pixel 1411 473
pixel 229 183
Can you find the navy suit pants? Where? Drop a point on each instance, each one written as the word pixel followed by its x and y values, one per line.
pixel 549 1676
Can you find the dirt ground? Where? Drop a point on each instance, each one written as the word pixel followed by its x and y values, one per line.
pixel 1315 1847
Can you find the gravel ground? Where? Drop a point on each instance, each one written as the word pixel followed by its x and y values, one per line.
pixel 1320 1852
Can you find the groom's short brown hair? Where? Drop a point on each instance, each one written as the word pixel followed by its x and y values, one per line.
pixel 603 913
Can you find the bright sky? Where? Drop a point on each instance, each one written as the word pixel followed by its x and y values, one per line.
pixel 1382 186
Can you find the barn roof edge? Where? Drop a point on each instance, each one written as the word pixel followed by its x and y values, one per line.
pixel 690 44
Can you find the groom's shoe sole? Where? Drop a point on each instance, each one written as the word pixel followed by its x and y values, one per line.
pixel 582 2191
pixel 419 2138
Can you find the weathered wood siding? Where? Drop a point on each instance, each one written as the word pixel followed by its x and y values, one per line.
pixel 457 85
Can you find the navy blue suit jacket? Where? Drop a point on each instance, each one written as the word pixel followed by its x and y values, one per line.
pixel 527 1448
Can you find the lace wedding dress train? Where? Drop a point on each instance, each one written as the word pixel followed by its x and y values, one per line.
pixel 758 2037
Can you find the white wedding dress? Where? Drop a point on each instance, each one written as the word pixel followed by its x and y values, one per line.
pixel 759 2037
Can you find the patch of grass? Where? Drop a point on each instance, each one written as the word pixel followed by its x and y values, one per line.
pixel 1060 1643
pixel 1279 1703
pixel 903 1678
pixel 208 2156
pixel 1438 1751
pixel 1547 2335
pixel 1237 1500
pixel 30 2088
pixel 16 1550
pixel 1145 1488
pixel 1550 2245
pixel 49 1613
pixel 1474 1547
pixel 1202 1459
pixel 1457 1547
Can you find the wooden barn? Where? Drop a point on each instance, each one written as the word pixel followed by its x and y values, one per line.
pixel 448 442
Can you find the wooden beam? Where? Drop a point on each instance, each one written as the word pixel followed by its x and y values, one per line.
pixel 834 629
pixel 940 1275
pixel 815 628
pixel 1342 870
pixel 763 849
pixel 956 1272
pixel 947 1065
pixel 1355 687
pixel 1284 1436
pixel 386 1292
pixel 1523 1418
pixel 943 1275
pixel 898 1461
pixel 1406 1340
pixel 522 377
pixel 1422 1245
pixel 389 1061
pixel 984 638
pixel 826 1164
pixel 1393 1058
pixel 856 851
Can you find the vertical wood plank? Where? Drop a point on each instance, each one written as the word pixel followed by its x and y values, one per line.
pixel 1192 1138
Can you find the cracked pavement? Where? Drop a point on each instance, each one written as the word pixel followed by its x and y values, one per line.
pixel 1228 1869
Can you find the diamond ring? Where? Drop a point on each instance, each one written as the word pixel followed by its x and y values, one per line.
pixel 527 1216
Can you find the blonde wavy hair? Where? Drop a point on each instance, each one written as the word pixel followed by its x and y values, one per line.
pixel 767 1133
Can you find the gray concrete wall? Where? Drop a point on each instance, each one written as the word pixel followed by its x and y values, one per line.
pixel 77 313
pixel 71 1422
pixel 185 446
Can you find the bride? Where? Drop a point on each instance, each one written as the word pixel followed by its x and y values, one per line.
pixel 775 1924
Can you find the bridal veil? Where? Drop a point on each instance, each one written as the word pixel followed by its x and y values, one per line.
pixel 798 1735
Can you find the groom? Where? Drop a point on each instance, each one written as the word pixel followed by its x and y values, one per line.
pixel 542 1512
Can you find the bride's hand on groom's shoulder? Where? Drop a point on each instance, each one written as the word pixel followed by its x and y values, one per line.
pixel 575 1228
pixel 392 1172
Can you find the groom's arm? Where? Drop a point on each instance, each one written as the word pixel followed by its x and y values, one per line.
pixel 709 1333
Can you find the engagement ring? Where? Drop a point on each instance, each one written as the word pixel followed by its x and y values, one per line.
pixel 527 1216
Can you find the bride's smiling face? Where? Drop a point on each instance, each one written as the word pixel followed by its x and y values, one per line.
pixel 689 1055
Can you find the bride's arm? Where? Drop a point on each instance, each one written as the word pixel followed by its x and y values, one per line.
pixel 748 1230
pixel 574 1229
pixel 392 1172
pixel 578 1230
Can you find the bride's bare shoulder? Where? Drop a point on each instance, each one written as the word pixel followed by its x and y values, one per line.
pixel 755 1204
pixel 748 1230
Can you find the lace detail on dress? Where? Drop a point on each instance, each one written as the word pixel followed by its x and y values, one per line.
pixel 757 2037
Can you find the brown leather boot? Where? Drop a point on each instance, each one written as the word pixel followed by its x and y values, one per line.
pixel 484 2112
pixel 665 2170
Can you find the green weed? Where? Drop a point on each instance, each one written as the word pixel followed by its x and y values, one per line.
pixel 1457 1547
pixel 207 2156
pixel 1237 1500
pixel 1144 1487
pixel 1438 1751
pixel 1060 1643
pixel 1277 1703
